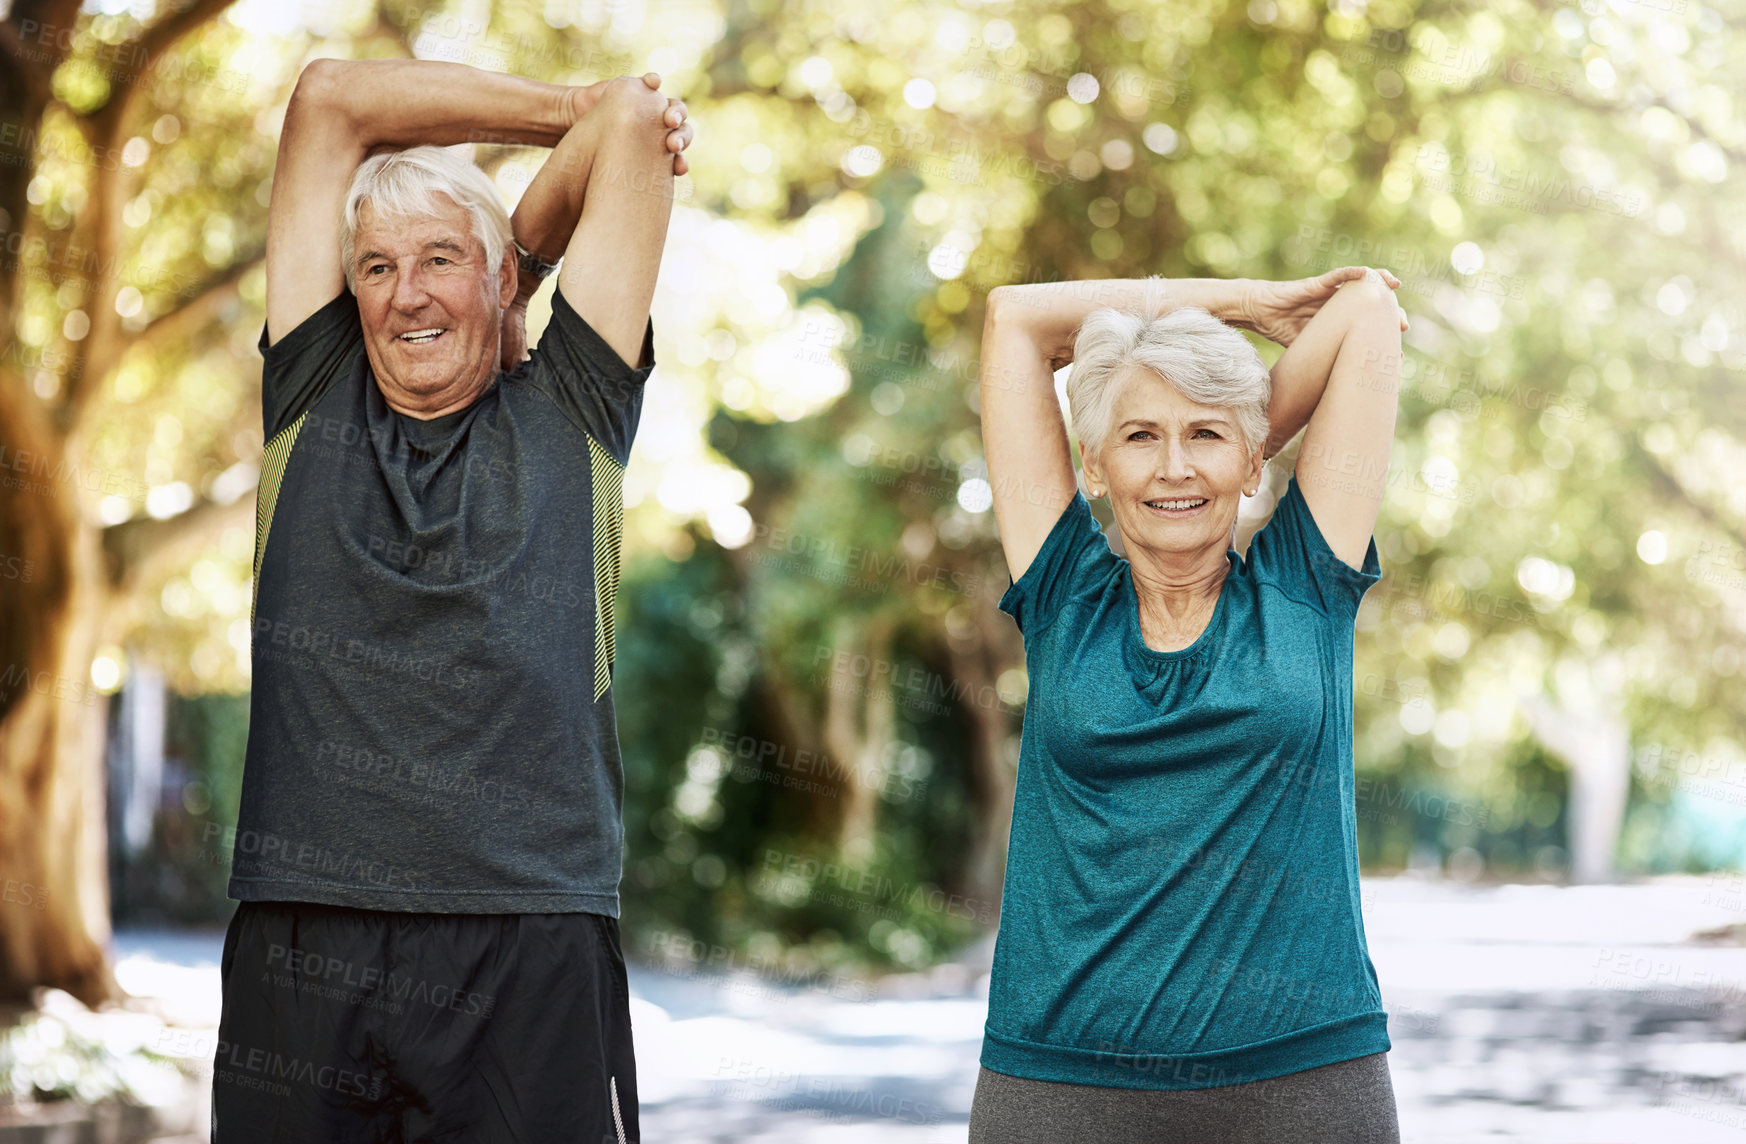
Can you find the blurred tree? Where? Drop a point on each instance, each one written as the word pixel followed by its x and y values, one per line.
pixel 77 95
pixel 817 567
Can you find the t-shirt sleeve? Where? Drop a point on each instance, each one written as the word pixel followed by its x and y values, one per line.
pixel 596 388
pixel 1075 559
pixel 1291 552
pixel 298 368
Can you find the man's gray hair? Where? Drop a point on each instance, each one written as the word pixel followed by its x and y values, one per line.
pixel 1203 359
pixel 400 184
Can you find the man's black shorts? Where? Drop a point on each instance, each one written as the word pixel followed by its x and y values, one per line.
pixel 347 1026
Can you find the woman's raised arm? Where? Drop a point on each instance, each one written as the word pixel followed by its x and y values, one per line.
pixel 1343 371
pixel 1028 332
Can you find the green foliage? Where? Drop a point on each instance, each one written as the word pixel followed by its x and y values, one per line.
pixel 1546 183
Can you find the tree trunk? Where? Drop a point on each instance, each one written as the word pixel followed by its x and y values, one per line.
pixel 978 653
pixel 859 726
pixel 51 720
pixel 1595 743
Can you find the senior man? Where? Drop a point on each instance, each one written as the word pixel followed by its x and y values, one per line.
pixel 428 848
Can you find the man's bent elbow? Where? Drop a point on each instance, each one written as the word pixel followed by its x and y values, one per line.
pixel 319 85
pixel 997 311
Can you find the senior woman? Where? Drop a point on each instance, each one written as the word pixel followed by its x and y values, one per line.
pixel 1181 954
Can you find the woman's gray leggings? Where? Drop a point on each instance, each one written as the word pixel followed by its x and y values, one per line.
pixel 1348 1102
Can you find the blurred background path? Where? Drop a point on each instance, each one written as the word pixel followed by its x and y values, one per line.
pixel 1583 1015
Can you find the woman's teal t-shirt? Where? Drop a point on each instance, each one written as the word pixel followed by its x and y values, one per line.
pixel 1181 906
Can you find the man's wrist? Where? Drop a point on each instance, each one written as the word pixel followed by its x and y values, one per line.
pixel 533 265
pixel 574 102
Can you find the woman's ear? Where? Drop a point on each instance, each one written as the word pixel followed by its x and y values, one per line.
pixel 1092 471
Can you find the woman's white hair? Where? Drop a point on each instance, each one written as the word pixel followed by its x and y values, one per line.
pixel 400 184
pixel 1205 360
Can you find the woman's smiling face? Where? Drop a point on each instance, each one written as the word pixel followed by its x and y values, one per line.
pixel 1163 451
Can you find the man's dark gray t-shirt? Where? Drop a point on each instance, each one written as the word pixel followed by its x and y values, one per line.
pixel 432 721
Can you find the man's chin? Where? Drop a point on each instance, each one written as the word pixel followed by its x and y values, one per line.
pixel 424 378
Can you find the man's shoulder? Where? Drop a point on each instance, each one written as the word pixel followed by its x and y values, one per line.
pixel 336 322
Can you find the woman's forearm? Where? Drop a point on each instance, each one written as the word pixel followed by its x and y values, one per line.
pixel 408 103
pixel 1052 312
pixel 1300 376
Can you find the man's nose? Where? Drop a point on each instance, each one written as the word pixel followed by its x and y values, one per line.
pixel 409 290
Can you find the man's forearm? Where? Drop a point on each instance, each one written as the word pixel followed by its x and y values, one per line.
pixel 408 103
pixel 1052 312
pixel 550 208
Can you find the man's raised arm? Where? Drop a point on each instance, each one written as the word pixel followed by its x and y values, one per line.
pixel 602 201
pixel 343 110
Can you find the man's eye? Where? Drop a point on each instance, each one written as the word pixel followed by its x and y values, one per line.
pixel 440 259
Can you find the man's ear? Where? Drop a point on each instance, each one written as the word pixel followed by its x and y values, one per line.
pixel 508 278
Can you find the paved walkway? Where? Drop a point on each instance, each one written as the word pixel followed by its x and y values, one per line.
pixel 1581 1015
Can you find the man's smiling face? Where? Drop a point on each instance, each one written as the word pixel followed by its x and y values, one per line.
pixel 431 309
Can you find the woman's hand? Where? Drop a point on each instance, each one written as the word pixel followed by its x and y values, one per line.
pixel 583 99
pixel 1278 311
